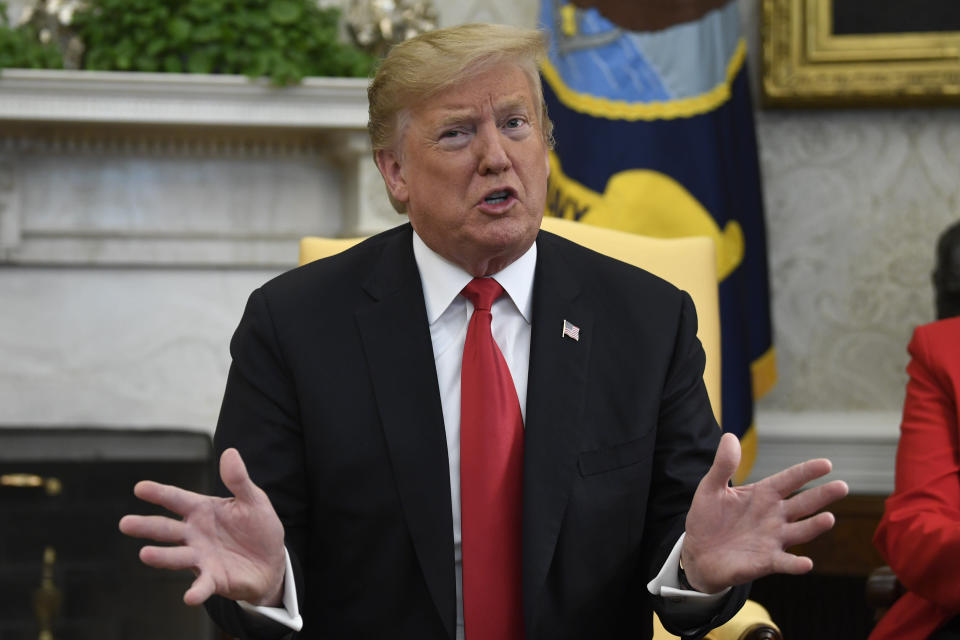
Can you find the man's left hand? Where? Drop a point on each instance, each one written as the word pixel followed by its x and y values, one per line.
pixel 738 534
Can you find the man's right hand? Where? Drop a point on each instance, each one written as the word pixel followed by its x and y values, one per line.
pixel 738 534
pixel 233 545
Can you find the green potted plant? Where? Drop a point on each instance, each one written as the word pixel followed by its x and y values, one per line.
pixel 284 40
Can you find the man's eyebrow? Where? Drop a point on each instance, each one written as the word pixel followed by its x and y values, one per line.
pixel 458 116
pixel 517 103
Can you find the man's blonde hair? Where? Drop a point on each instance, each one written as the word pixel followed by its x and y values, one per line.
pixel 425 65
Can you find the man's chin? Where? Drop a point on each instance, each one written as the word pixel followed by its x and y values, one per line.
pixel 498 256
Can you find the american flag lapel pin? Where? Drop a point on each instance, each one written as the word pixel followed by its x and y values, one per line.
pixel 570 330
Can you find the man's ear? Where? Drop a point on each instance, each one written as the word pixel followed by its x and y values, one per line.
pixel 388 161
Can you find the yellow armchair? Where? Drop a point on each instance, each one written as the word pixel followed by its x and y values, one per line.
pixel 688 263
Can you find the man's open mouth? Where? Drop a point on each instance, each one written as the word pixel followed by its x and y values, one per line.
pixel 497 197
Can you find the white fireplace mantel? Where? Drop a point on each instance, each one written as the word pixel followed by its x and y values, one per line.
pixel 28 95
pixel 111 168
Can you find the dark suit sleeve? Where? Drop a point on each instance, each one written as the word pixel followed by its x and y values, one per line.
pixel 260 417
pixel 687 438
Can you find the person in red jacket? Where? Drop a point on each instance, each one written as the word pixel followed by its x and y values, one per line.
pixel 919 534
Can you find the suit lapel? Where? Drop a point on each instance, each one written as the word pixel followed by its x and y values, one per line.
pixel 399 353
pixel 555 394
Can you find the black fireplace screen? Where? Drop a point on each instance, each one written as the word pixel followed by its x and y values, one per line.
pixel 66 572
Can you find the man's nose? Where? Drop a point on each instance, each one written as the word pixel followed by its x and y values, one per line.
pixel 493 156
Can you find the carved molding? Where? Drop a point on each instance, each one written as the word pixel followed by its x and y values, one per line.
pixel 180 99
pixel 143 141
pixel 9 205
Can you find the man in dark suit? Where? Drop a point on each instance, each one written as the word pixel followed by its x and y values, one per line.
pixel 344 398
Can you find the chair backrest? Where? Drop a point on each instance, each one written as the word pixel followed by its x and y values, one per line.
pixel 688 263
pixel 315 247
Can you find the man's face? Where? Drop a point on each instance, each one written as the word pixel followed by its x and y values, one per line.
pixel 471 166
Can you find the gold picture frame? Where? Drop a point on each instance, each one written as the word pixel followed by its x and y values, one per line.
pixel 805 63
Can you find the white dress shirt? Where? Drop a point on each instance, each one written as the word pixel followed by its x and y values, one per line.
pixel 448 314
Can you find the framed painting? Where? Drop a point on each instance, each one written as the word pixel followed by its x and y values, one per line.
pixel 860 52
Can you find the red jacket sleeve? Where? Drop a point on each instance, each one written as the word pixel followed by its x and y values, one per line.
pixel 919 534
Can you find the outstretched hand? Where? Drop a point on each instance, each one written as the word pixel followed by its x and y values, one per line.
pixel 233 545
pixel 738 534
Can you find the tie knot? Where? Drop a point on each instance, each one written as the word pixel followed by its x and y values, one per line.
pixel 482 292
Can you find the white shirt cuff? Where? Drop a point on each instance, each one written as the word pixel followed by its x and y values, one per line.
pixel 289 614
pixel 666 584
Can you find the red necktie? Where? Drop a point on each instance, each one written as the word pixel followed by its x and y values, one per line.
pixel 491 479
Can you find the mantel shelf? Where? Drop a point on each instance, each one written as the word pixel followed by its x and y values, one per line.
pixel 166 99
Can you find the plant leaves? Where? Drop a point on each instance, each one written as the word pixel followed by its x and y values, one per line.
pixel 179 29
pixel 284 40
pixel 200 62
pixel 172 64
pixel 285 11
pixel 154 47
pixel 206 32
